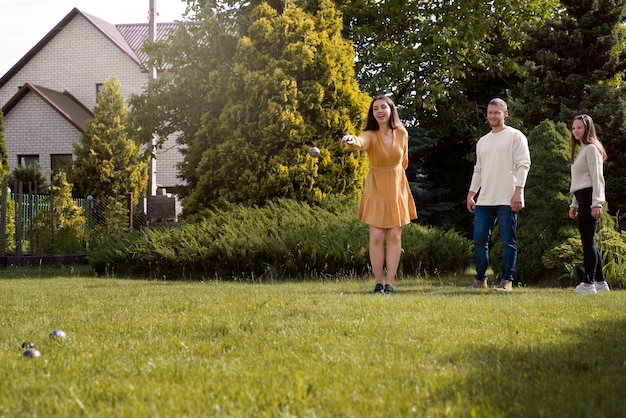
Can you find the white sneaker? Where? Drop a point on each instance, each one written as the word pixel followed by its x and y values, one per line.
pixel 602 286
pixel 585 288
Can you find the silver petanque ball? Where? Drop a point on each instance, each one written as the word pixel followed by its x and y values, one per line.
pixel 314 152
pixel 28 344
pixel 57 334
pixel 32 353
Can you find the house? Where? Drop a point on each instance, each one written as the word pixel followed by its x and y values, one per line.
pixel 48 95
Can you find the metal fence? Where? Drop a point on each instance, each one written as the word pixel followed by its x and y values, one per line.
pixel 31 224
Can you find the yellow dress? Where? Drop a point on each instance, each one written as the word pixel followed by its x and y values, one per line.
pixel 387 201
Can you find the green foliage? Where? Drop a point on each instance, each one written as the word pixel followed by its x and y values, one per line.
pixel 432 251
pixel 612 246
pixel 108 161
pixel 451 42
pixel 569 255
pixel 28 174
pixel 544 223
pixel 442 61
pixel 7 243
pixel 62 230
pixel 197 53
pixel 252 87
pixel 285 238
pixel 576 64
pixel 290 87
pixel 110 219
pixel 4 162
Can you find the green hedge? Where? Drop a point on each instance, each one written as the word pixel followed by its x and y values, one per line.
pixel 284 239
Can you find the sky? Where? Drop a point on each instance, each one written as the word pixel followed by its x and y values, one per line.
pixel 24 22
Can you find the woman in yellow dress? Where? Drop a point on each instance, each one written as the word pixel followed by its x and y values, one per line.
pixel 387 202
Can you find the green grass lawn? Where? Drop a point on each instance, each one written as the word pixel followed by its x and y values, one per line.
pixel 313 349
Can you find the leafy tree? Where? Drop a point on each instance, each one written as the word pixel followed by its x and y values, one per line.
pixel 108 161
pixel 290 87
pixel 576 63
pixel 442 61
pixel 196 53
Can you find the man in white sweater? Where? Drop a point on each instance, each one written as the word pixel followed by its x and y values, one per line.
pixel 502 164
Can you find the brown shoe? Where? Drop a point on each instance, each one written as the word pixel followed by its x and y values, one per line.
pixel 478 284
pixel 505 285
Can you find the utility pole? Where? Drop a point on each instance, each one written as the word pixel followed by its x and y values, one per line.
pixel 152 174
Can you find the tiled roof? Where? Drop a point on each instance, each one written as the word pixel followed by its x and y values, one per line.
pixel 64 103
pixel 136 34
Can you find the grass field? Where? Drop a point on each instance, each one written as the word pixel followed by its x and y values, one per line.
pixel 141 348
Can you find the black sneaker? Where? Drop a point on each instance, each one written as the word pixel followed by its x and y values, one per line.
pixel 378 288
pixel 388 288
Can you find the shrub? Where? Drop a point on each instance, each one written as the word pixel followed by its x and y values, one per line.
pixel 544 223
pixel 285 238
pixel 430 250
pixel 568 256
pixel 66 219
pixel 110 219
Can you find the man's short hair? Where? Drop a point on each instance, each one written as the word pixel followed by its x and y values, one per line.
pixel 498 102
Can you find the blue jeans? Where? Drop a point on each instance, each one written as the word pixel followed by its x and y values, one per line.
pixel 485 218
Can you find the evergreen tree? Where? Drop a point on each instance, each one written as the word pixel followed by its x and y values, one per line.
pixel 571 55
pixel 290 87
pixel 108 161
pixel 29 174
pixel 544 223
pixel 6 242
pixel 576 63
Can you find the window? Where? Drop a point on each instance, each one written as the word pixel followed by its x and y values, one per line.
pixel 99 88
pixel 61 162
pixel 28 160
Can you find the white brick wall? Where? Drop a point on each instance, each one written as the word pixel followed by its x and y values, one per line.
pixel 76 59
pixel 42 131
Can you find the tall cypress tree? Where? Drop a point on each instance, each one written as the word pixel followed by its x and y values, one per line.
pixel 544 223
pixel 290 87
pixel 108 161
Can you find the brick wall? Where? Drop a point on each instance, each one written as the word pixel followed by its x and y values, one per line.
pixel 76 59
pixel 42 131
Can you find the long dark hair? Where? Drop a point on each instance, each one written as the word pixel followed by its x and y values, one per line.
pixel 394 119
pixel 589 137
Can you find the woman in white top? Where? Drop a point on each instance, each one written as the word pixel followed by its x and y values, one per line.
pixel 588 201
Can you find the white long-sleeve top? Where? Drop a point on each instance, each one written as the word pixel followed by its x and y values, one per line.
pixel 587 171
pixel 502 163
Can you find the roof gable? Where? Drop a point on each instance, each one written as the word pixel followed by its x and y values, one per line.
pixel 128 37
pixel 64 103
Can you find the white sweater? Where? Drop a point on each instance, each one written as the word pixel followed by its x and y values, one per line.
pixel 502 163
pixel 587 171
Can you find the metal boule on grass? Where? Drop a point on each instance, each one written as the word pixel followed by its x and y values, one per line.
pixel 57 334
pixel 32 353
pixel 28 344
pixel 314 152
